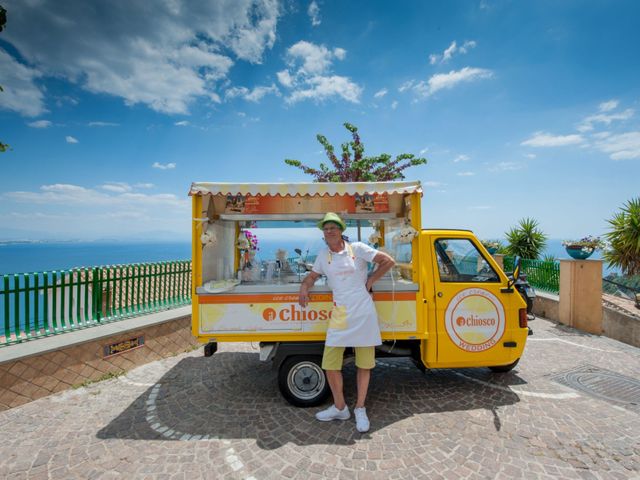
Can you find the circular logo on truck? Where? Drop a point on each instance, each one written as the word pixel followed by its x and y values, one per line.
pixel 475 320
pixel 269 314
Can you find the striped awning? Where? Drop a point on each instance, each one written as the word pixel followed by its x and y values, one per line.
pixel 302 189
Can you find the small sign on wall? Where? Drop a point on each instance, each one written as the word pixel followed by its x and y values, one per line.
pixel 123 346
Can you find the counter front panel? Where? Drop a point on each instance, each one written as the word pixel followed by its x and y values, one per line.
pixel 241 311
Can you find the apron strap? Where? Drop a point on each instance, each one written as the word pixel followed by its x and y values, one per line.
pixel 349 251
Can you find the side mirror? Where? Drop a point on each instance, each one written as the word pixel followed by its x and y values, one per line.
pixel 516 272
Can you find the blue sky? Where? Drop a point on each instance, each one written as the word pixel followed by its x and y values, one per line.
pixel 522 108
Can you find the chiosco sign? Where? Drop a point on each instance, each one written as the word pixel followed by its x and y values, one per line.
pixel 294 313
pixel 475 320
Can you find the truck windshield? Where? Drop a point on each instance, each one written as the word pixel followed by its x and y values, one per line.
pixel 460 261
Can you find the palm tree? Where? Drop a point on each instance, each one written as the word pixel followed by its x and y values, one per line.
pixel 624 239
pixel 526 240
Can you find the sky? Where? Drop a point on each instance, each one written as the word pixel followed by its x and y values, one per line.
pixel 112 109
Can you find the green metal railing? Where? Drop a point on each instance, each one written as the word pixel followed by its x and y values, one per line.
pixel 541 275
pixel 38 304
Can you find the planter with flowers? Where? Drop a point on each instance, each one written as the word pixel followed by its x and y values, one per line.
pixel 583 248
pixel 492 246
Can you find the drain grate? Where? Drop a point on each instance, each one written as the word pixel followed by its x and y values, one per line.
pixel 604 384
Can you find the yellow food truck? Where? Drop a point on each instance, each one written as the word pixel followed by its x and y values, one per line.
pixel 446 303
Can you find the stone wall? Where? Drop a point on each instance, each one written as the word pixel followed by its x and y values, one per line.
pixel 620 319
pixel 33 375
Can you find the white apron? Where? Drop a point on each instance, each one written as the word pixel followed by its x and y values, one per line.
pixel 354 321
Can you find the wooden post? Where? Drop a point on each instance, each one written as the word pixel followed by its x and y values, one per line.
pixel 581 294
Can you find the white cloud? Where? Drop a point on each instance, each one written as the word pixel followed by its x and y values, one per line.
pixel 424 150
pixel 541 139
pixel 21 94
pixel 339 53
pixel 530 155
pixel 588 123
pixel 466 174
pixel 450 51
pixel 310 76
pixel 314 14
pixel 380 93
pixel 117 187
pixel 406 86
pixel 443 81
pixel 103 124
pixel 182 123
pixel 432 184
pixel 321 88
pixel 624 146
pixel 165 166
pixel 316 59
pixel 97 212
pixel 285 78
pixel 506 166
pixel 144 185
pixel 254 95
pixel 461 158
pixel 608 106
pixel 449 80
pixel 70 139
pixel 175 54
pixel 40 124
pixel 394 105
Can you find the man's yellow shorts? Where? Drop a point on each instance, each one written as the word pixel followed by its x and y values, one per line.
pixel 333 356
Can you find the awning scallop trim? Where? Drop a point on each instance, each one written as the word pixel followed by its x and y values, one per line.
pixel 301 189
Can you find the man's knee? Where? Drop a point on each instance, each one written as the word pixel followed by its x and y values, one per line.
pixel 365 357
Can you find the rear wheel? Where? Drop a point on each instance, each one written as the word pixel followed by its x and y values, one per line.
pixel 302 381
pixel 504 368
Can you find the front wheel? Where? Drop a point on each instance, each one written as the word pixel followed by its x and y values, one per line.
pixel 504 368
pixel 302 381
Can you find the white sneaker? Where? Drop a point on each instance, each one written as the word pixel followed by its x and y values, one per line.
pixel 332 413
pixel 362 421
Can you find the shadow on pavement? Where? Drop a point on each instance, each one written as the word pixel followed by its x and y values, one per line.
pixel 233 395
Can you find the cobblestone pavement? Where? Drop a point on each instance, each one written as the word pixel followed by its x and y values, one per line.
pixel 191 417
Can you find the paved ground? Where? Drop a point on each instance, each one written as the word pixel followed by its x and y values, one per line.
pixel 192 417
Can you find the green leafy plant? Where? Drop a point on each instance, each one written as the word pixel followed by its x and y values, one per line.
pixel 526 240
pixel 623 250
pixel 353 166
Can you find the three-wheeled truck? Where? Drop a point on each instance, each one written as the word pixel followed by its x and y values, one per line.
pixel 446 304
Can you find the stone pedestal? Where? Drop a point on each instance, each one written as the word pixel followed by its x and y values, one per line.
pixel 499 258
pixel 581 294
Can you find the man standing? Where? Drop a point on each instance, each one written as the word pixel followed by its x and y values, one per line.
pixel 353 321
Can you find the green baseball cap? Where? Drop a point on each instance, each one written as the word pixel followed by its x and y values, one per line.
pixel 332 217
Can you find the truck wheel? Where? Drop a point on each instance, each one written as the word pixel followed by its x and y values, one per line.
pixel 504 368
pixel 302 381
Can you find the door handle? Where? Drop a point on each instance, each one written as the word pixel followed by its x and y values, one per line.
pixel 439 294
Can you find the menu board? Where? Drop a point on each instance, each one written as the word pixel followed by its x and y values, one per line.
pixel 257 204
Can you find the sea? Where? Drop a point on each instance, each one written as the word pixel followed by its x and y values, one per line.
pixel 48 256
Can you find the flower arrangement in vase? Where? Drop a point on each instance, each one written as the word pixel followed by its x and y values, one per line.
pixel 583 248
pixel 492 246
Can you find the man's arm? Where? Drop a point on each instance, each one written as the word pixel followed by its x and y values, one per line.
pixel 307 283
pixel 385 263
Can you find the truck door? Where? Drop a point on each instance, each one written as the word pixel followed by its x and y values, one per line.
pixel 471 311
